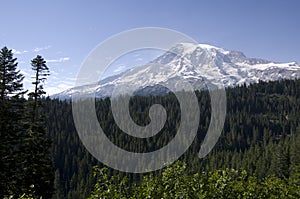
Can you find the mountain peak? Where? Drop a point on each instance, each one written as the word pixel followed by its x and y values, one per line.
pixel 195 63
pixel 191 47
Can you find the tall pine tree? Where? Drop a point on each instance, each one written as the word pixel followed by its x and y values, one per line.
pixel 11 109
pixel 38 168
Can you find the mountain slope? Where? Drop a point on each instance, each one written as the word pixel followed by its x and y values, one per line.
pixel 195 63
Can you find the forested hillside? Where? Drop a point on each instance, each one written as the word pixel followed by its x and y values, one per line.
pixel 257 155
pixel 261 135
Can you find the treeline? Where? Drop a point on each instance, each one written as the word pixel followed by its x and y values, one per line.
pixel 261 135
pixel 25 163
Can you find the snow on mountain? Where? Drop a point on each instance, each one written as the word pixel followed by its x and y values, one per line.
pixel 196 63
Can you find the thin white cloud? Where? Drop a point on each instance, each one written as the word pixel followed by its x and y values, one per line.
pixel 57 88
pixel 108 58
pixel 120 68
pixel 71 78
pixel 60 60
pixel 18 52
pixel 54 73
pixel 136 55
pixel 38 49
pixel 25 73
pixel 52 90
pixel 139 59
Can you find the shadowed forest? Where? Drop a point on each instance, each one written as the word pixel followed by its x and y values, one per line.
pixel 257 155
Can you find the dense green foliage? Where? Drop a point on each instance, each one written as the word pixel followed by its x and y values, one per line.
pixel 25 166
pixel 261 135
pixel 175 183
pixel 11 89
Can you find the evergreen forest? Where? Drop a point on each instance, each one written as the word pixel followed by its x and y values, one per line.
pixel 257 155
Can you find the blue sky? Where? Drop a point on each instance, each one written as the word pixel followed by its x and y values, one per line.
pixel 64 32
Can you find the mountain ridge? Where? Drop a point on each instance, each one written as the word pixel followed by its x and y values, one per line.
pixel 196 63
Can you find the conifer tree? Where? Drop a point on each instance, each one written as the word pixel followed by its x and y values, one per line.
pixel 38 166
pixel 11 91
pixel 10 78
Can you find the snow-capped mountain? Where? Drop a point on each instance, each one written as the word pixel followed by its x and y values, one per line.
pixel 196 63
